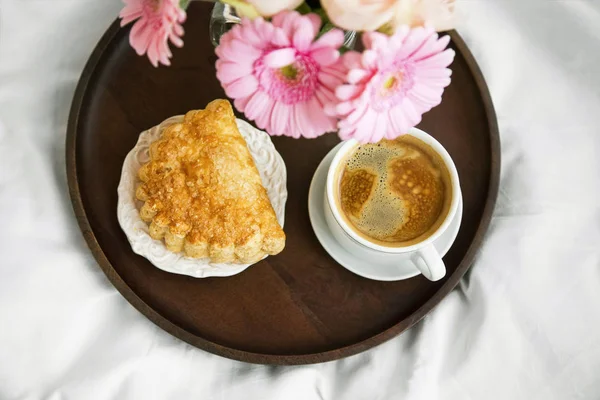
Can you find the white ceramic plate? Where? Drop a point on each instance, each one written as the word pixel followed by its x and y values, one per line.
pixel 272 172
pixel 396 269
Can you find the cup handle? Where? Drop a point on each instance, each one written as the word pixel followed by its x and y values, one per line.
pixel 429 262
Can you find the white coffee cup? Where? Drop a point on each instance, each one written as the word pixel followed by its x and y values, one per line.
pixel 423 255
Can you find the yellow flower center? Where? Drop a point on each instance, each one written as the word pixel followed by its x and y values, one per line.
pixel 289 72
pixel 389 83
pixel 392 82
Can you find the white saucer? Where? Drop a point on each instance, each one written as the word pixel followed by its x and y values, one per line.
pixel 392 271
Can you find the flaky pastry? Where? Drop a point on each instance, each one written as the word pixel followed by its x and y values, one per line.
pixel 202 192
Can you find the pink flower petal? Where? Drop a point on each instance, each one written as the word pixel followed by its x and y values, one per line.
pixel 250 35
pixel 369 58
pixel 433 74
pixel 266 32
pixel 167 53
pixel 397 39
pixel 280 58
pixel 315 21
pixel 398 122
pixel 280 39
pixel 129 13
pixel 264 117
pixel 228 72
pixel 333 38
pixel 375 40
pixel 164 58
pixel 346 133
pixel 429 95
pixel 285 21
pixel 357 75
pixel 346 92
pixel 223 43
pixel 330 109
pixel 242 87
pixel 176 39
pixel 355 116
pixel 365 128
pixel 344 108
pixel 181 14
pixel 317 118
pixel 423 102
pixel 439 60
pixel 139 27
pixel 414 40
pixel 241 103
pixel 239 50
pixel 331 77
pixel 328 102
pixel 256 23
pixel 433 46
pixel 256 105
pixel 332 70
pixel 325 56
pixel 428 41
pixel 381 128
pixel 278 19
pixel 153 52
pixel 303 34
pixel 264 29
pixel 139 37
pixel 280 119
pixel 236 32
pixel 325 95
pixel 328 79
pixel 352 59
pixel 437 82
pixel 413 117
pixel 310 128
pixel 128 19
pixel 299 122
pixel 421 105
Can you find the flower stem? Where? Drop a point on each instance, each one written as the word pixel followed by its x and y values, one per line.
pixel 303 8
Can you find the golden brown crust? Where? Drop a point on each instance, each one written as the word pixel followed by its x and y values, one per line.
pixel 203 194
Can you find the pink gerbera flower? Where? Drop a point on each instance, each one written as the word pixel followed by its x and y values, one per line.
pixel 392 83
pixel 279 75
pixel 157 22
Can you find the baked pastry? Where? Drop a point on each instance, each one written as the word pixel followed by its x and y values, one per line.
pixel 202 192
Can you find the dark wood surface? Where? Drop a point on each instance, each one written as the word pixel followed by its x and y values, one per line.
pixel 299 306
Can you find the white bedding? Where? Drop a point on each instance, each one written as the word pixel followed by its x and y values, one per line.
pixel 524 323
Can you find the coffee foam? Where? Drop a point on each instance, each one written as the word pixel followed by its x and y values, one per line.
pixel 393 191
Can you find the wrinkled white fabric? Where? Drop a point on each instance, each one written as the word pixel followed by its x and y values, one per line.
pixel 523 324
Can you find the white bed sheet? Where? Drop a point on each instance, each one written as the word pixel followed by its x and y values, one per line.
pixel 524 323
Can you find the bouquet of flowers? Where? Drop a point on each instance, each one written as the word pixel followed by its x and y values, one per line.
pixel 286 68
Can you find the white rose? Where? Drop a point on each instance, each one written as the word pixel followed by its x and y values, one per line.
pixel 359 15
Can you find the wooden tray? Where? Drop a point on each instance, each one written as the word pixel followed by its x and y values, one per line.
pixel 300 306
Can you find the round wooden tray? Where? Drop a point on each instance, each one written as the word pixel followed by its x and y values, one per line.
pixel 297 307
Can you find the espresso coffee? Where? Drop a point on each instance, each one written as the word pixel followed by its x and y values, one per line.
pixel 394 193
